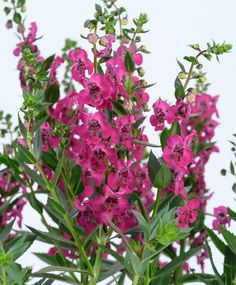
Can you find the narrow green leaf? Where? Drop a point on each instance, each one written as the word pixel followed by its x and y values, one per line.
pixel 232 170
pixel 230 238
pixel 129 63
pixel 181 66
pixel 62 269
pixel 40 122
pixel 22 128
pixel 48 62
pixel 232 214
pixel 38 143
pixel 229 267
pixel 153 166
pixel 24 154
pixel 163 178
pixel 132 263
pixel 217 241
pixel 58 171
pixel 144 225
pixel 179 89
pixel 34 202
pixel 35 177
pixel 6 231
pixel 119 109
pixel 176 262
pixel 52 93
pixel 17 18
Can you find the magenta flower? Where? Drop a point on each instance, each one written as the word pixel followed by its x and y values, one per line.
pixel 188 213
pixel 98 90
pixel 47 138
pixel 109 204
pixel 53 70
pixel 124 126
pixel 178 154
pixel 179 111
pixel 94 128
pixel 81 63
pixel 205 105
pixel 123 178
pixel 160 114
pixel 221 218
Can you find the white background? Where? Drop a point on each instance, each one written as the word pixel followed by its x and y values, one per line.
pixel 173 25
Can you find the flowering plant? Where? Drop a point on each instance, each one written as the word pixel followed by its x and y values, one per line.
pixel 113 207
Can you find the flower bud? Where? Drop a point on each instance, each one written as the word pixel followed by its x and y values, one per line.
pixel 9 24
pixel 223 172
pixel 128 105
pixel 23 9
pixel 141 71
pixel 21 29
pixel 143 83
pixel 92 38
pixel 202 79
pixel 199 66
pixel 124 21
pixel 182 75
pixel 143 48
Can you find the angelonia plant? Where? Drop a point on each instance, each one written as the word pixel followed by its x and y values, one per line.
pixel 115 206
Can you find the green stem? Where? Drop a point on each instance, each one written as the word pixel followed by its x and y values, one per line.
pixel 97 266
pixel 147 274
pixel 135 280
pixel 146 143
pixel 157 202
pixel 179 270
pixel 191 69
pixel 56 199
pixel 4 276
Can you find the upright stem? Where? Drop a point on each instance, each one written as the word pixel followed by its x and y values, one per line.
pixel 97 266
pixel 156 205
pixel 4 276
pixel 135 280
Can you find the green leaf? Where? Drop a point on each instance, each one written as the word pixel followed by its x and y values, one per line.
pixel 119 108
pixel 163 178
pixel 34 202
pixel 52 93
pixel 163 138
pixel 230 238
pixel 38 143
pixel 181 66
pixel 58 171
pixel 62 269
pixel 197 277
pixel 153 166
pixel 40 122
pixel 35 177
pixel 138 123
pixel 20 3
pixel 55 260
pixel 22 128
pixel 234 187
pixel 217 242
pixel 55 277
pixel 17 18
pixel 213 265
pixel 20 247
pixel 98 8
pixel 229 267
pixel 179 89
pixel 48 62
pixel 129 63
pixel 144 225
pixel 6 231
pixel 232 214
pixel 168 269
pixel 141 207
pixel 232 170
pixel 24 154
pixel 132 263
pixel 7 10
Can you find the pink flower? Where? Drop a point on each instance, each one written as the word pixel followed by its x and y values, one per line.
pixel 81 63
pixel 221 218
pixel 160 114
pixel 180 111
pixel 47 138
pixel 109 204
pixel 178 154
pixel 123 178
pixel 53 70
pixel 188 213
pixel 205 105
pixel 94 128
pixel 124 126
pixel 98 90
pixel 137 57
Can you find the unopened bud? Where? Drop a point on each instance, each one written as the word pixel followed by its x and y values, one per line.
pixel 143 48
pixel 143 83
pixel 202 79
pixel 21 29
pixel 23 9
pixel 9 24
pixel 124 21
pixel 182 75
pixel 128 105
pixel 146 108
pixel 223 172
pixel 141 71
pixel 92 38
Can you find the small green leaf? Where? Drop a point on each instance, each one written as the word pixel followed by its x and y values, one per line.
pixel 35 177
pixel 17 18
pixel 217 242
pixel 119 109
pixel 230 238
pixel 232 214
pixel 22 128
pixel 7 10
pixel 20 3
pixel 138 123
pixel 52 93
pixel 163 138
pixel 163 177
pixel 38 144
pixel 229 267
pixel 129 63
pixel 48 62
pixel 24 155
pixel 98 8
pixel 153 166
pixel 132 263
pixel 181 66
pixel 62 269
pixel 6 231
pixel 144 225
pixel 232 170
pixel 58 171
pixel 179 89
pixel 35 203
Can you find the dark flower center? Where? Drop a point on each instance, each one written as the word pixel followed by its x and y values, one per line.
pixel 178 152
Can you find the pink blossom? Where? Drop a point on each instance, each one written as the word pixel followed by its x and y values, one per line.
pixel 188 213
pixel 160 114
pixel 81 63
pixel 47 138
pixel 179 111
pixel 178 154
pixel 221 218
pixel 124 126
pixel 53 70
